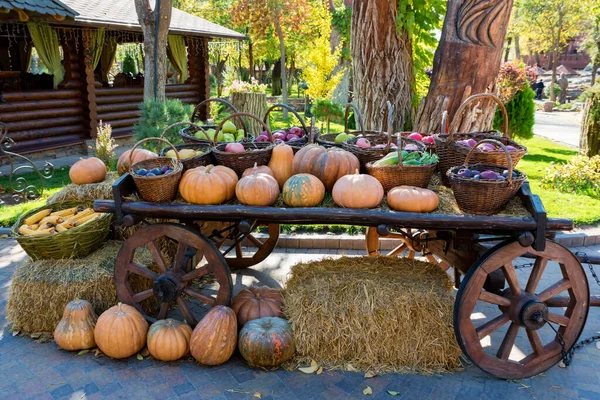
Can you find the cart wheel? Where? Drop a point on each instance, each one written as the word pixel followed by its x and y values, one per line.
pixel 237 260
pixel 195 256
pixel 502 334
pixel 407 246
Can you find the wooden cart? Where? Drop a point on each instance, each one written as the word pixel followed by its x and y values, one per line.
pixel 482 275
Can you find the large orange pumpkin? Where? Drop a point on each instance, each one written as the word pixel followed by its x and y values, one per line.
pixel 214 339
pixel 303 190
pixel 75 331
pixel 169 339
pixel 208 185
pixel 357 191
pixel 257 190
pixel 258 169
pixel 281 162
pixel 138 155
pixel 257 302
pixel 412 199
pixel 328 165
pixel 267 342
pixel 87 170
pixel 121 331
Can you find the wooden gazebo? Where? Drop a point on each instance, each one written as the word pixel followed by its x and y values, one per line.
pixel 41 115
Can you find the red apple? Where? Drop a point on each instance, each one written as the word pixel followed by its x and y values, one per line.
pixel 364 143
pixel 416 136
pixel 234 148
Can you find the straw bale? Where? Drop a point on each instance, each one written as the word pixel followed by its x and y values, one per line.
pixel 372 313
pixel 41 289
pixel 93 191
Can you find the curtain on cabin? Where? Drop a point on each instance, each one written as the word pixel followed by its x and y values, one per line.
pixel 107 57
pixel 97 37
pixel 45 41
pixel 178 55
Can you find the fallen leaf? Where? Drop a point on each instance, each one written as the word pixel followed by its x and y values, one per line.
pixel 139 357
pixel 83 352
pixel 145 352
pixel 320 371
pixel 237 391
pixel 309 370
pixel 556 387
pixel 368 391
pixel 36 335
pixel 351 368
pixel 561 364
pixel 392 393
pixel 15 333
pixel 257 395
pixel 598 345
pixel 370 374
pixel 524 386
pixel 98 353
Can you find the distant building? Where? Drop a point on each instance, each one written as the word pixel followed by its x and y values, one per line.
pixel 572 56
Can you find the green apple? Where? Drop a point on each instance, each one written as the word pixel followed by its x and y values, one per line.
pixel 209 132
pixel 229 127
pixel 240 135
pixel 229 138
pixel 343 136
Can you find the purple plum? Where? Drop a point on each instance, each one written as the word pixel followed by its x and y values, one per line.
pixel 164 169
pixel 465 173
pixel 489 175
pixel 511 148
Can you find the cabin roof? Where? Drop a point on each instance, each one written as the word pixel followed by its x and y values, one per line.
pixel 44 7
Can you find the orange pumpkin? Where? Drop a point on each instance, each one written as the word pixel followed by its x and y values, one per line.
pixel 169 339
pixel 281 162
pixel 412 199
pixel 357 191
pixel 257 302
pixel 208 185
pixel 214 339
pixel 138 155
pixel 303 190
pixel 328 165
pixel 87 170
pixel 75 331
pixel 257 190
pixel 121 331
pixel 258 169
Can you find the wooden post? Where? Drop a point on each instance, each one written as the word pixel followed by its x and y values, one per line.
pixel 90 86
pixel 198 71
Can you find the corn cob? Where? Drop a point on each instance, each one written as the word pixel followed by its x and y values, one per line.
pixel 65 225
pixel 24 230
pixel 61 228
pixel 82 214
pixel 34 227
pixel 87 218
pixel 37 217
pixel 67 212
pixel 53 219
pixel 43 232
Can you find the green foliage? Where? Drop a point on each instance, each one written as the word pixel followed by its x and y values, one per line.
pixel 325 109
pixel 557 90
pixel 105 145
pixel 129 66
pixel 341 20
pixel 580 175
pixel 156 116
pixel 521 113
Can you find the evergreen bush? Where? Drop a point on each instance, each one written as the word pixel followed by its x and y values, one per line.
pixel 521 113
pixel 156 116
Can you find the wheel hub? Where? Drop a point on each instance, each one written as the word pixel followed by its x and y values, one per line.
pixel 533 314
pixel 166 288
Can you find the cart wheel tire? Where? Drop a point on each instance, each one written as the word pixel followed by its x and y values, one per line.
pixel 236 258
pixel 523 309
pixel 174 277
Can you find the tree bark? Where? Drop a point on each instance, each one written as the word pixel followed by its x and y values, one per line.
pixel 517 48
pixel 553 80
pixel 589 139
pixel 284 89
pixel 250 59
pixel 276 79
pixel 155 27
pixel 382 63
pixel 507 51
pixel 466 62
pixel 253 103
pixel 593 78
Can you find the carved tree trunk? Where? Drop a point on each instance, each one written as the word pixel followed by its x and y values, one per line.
pixel 382 63
pixel 466 62
pixel 155 27
pixel 253 103
pixel 589 139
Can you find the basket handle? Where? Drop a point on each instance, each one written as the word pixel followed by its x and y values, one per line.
pixel 278 105
pixel 197 127
pixel 219 100
pixel 444 122
pixel 399 149
pixel 498 144
pixel 463 106
pixel 311 135
pixel 147 140
pixel 240 115
pixel 356 115
pixel 387 120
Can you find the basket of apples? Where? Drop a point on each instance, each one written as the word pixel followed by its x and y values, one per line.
pixel 427 140
pixel 337 139
pixel 291 136
pixel 485 189
pixel 228 134
pixel 240 156
pixel 192 155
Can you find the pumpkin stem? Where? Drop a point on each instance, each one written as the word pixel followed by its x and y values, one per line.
pixel 208 168
pixel 356 173
pixel 255 165
pixel 170 323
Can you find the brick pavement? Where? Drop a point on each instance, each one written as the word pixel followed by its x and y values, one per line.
pixel 39 370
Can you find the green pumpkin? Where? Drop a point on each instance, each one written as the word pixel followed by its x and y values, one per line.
pixel 266 342
pixel 303 190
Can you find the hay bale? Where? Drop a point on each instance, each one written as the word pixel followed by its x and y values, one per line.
pixel 372 313
pixel 41 289
pixel 93 191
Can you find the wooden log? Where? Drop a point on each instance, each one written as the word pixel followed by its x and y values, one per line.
pixel 13 107
pixel 39 114
pixel 113 91
pixel 40 95
pixel 49 143
pixel 125 122
pixel 563 301
pixel 90 106
pixel 118 115
pixel 189 100
pixel 130 98
pixel 124 131
pixel 113 107
pixel 43 123
pixel 46 133
pixel 182 87
pixel 253 103
pixel 183 93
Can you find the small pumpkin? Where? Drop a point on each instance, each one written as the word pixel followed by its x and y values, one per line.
pixel 121 331
pixel 257 190
pixel 258 169
pixel 87 170
pixel 208 184
pixel 138 155
pixel 267 342
pixel 328 165
pixel 257 302
pixel 412 199
pixel 281 162
pixel 75 331
pixel 169 339
pixel 303 190
pixel 214 339
pixel 357 191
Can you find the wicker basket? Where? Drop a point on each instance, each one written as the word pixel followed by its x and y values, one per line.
pixel 192 162
pixel 73 243
pixel 328 139
pixel 312 132
pixel 451 153
pixel 429 146
pixel 391 176
pixel 161 188
pixel 304 139
pixel 485 197
pixel 187 134
pixel 259 154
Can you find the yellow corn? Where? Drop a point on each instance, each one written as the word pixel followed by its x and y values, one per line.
pixel 65 225
pixel 34 227
pixel 53 219
pixel 87 218
pixel 67 212
pixel 24 230
pixel 37 217
pixel 82 214
pixel 43 226
pixel 61 228
pixel 43 232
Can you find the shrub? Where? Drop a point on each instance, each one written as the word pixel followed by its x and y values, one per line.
pixel 246 87
pixel 580 175
pixel 557 90
pixel 129 66
pixel 521 114
pixel 156 116
pixel 325 109
pixel 105 145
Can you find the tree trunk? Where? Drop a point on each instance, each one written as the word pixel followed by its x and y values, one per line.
pixel 253 103
pixel 466 62
pixel 589 139
pixel 276 79
pixel 553 81
pixel 381 63
pixel 507 51
pixel 155 27
pixel 517 48
pixel 284 89
pixel 250 60
pixel 593 78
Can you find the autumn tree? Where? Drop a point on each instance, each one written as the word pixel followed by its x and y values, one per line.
pixel 155 27
pixel 592 40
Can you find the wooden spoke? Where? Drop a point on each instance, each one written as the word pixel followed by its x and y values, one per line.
pixel 508 342
pixel 254 240
pixel 511 277
pixel 492 325
pixel 199 296
pixel 558 319
pixel 492 298
pixel 142 271
pixel 264 247
pixel 411 254
pixel 536 342
pixel 196 273
pixel 179 256
pixel 185 311
pixel 554 289
pixel 157 256
pixel 536 274
pixel 238 251
pixel 141 296
pixel 164 309
pixel 398 250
